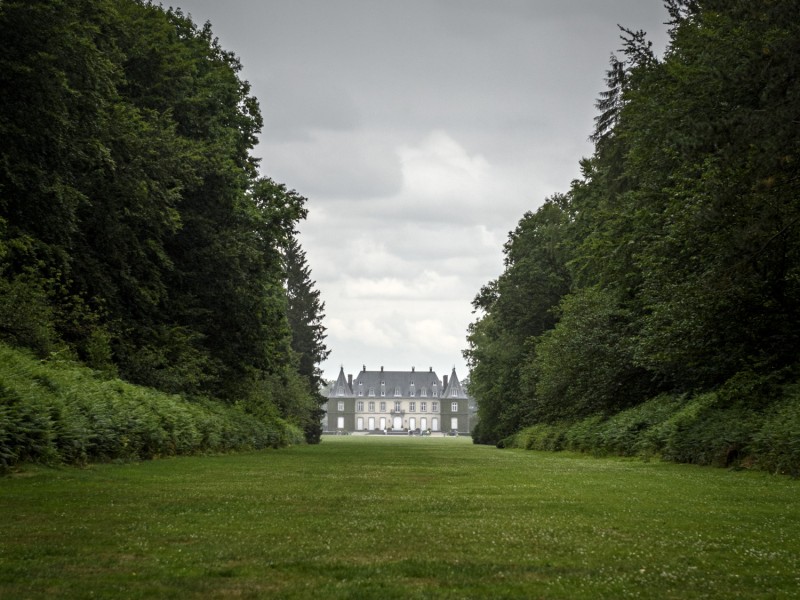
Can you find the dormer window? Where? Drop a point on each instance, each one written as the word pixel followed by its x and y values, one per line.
pixel 397 392
pixel 423 392
pixel 360 388
pixel 454 392
pixel 340 391
pixel 371 392
pixel 383 389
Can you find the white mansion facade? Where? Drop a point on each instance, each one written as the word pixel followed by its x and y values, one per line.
pixel 398 401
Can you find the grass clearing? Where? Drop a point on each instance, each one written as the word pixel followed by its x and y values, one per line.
pixel 386 517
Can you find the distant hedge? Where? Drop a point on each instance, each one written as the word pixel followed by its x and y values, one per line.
pixel 61 413
pixel 723 429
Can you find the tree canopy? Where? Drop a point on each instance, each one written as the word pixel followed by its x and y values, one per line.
pixel 136 233
pixel 678 249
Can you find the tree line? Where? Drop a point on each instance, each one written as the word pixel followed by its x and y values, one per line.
pixel 136 233
pixel 671 267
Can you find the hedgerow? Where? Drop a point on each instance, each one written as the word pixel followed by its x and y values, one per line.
pixel 722 428
pixel 58 412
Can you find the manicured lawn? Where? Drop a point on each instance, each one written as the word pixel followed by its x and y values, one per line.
pixel 398 518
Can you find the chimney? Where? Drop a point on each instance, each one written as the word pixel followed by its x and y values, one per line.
pixel 364 368
pixel 381 368
pixel 412 369
pixel 350 381
pixel 444 381
pixel 430 369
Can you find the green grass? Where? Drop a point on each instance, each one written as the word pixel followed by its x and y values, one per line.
pixel 398 518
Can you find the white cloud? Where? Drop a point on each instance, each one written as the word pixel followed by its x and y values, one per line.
pixel 365 330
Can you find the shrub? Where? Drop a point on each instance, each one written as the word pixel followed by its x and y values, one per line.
pixel 64 413
pixel 584 436
pixel 706 432
pixel 776 445
pixel 543 436
pixel 625 433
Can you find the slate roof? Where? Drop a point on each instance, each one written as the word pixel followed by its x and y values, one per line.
pixel 341 384
pixel 397 381
pixel 454 388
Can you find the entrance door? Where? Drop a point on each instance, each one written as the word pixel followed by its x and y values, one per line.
pixel 398 423
pixel 454 423
pixel 383 422
pixel 412 423
pixel 423 423
pixel 435 424
pixel 360 424
pixel 371 423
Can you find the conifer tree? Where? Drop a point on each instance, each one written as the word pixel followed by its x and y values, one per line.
pixel 305 311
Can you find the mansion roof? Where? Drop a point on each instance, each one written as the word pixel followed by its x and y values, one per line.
pixel 397 384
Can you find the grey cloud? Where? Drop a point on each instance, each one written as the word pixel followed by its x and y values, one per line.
pixel 420 131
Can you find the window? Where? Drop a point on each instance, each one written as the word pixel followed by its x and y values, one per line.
pixel 397 393
pixel 340 391
pixel 423 392
pixel 454 407
pixel 397 407
pixel 383 408
pixel 372 407
pixel 360 406
pixel 412 407
pixel 435 406
pixel 372 392
pixel 454 392
pixel 340 406
pixel 423 406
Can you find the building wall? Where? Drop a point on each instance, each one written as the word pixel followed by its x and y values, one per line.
pixel 409 419
pixel 458 419
pixel 341 414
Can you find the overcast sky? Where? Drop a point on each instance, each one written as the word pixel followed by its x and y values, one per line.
pixel 420 131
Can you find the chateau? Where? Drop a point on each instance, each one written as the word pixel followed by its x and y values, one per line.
pixel 398 401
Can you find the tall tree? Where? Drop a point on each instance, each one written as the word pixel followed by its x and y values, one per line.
pixel 515 308
pixel 136 231
pixel 305 312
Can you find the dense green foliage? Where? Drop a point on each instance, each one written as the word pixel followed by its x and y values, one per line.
pixel 398 518
pixel 61 412
pixel 672 266
pixel 136 234
pixel 305 311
